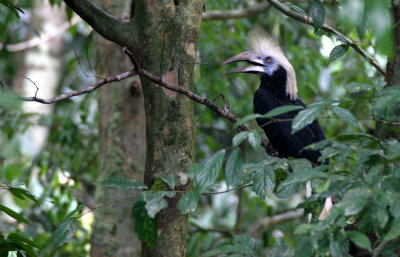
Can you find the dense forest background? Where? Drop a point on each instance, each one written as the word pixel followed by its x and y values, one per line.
pixel 73 180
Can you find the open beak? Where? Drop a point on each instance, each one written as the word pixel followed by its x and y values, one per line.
pixel 250 57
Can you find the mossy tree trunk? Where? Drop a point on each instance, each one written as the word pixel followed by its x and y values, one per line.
pixel 162 36
pixel 167 32
pixel 122 145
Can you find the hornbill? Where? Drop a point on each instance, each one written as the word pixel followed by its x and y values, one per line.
pixel 278 88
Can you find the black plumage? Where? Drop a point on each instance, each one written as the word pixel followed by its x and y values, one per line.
pixel 271 95
pixel 278 88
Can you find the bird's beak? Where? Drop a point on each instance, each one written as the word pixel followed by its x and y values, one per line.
pixel 249 57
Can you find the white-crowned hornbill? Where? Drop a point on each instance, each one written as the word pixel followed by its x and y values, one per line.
pixel 278 88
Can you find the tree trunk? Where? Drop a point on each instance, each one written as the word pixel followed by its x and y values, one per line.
pixel 122 145
pixel 392 73
pixel 167 32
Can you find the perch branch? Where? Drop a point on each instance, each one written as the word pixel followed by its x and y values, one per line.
pixel 202 100
pixel 308 20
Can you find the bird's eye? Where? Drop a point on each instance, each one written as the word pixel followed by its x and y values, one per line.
pixel 268 59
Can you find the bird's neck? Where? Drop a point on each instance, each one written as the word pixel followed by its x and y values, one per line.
pixel 276 83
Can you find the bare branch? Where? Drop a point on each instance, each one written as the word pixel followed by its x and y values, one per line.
pixel 225 232
pixel 254 230
pixel 253 9
pixel 82 91
pixel 308 20
pixel 21 46
pixel 108 26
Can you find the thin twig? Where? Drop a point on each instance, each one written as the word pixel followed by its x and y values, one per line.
pixel 25 77
pixel 308 20
pixel 228 190
pixel 110 203
pixel 82 91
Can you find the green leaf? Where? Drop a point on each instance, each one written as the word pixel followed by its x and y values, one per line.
pixel 242 246
pixel 305 117
pixel 188 202
pixel 170 180
pixel 254 139
pixel 145 226
pixel 119 182
pixel 209 174
pixel 270 114
pixel 303 248
pixel 194 169
pixel 355 200
pixel 22 193
pixel 317 11
pixel 72 213
pixel 64 232
pixel 240 137
pixel 15 237
pixel 155 202
pixel 337 52
pixel 13 214
pixel 233 168
pixel 246 119
pixel 295 8
pixel 281 110
pixel 262 180
pixel 345 115
pixel 339 248
pixel 394 231
pixel 359 239
pixel 286 190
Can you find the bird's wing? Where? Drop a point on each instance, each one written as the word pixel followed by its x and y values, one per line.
pixel 280 135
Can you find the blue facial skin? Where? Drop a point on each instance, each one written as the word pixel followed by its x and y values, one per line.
pixel 269 66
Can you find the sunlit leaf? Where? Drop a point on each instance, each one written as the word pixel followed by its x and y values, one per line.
pixel 254 139
pixel 13 214
pixel 155 201
pixel 170 180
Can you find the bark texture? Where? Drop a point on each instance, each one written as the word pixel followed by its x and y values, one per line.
pixel 162 35
pixel 166 36
pixel 392 73
pixel 122 145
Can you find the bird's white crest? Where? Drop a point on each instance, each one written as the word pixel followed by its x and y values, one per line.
pixel 265 45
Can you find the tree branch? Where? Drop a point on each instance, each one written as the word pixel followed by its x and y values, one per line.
pixel 253 9
pixel 82 91
pixel 108 26
pixel 268 221
pixel 225 232
pixel 308 20
pixel 202 100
